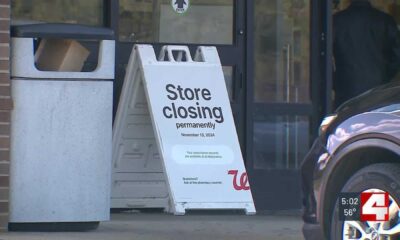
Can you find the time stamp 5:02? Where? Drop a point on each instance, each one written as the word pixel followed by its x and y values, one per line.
pixel 365 206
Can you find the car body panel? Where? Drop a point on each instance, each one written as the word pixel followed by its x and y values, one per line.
pixel 369 120
pixel 362 124
pixel 320 183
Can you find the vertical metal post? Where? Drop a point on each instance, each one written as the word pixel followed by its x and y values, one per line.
pixel 316 76
pixel 249 84
pixel 287 83
pixel 110 13
pixel 156 8
pixel 111 18
pixel 328 27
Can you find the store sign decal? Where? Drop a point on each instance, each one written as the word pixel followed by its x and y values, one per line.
pixel 180 6
pixel 243 183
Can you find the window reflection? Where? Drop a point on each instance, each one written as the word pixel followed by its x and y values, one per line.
pixel 205 21
pixel 88 12
pixel 280 142
pixel 391 7
pixel 228 75
pixel 282 29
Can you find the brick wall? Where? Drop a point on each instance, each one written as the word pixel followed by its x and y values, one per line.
pixel 5 108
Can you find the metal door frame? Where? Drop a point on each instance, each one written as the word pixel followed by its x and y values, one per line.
pixel 319 64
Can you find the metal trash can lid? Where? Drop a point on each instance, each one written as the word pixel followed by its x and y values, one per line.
pixel 62 30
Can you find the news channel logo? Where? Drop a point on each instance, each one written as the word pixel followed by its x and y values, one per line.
pixel 365 206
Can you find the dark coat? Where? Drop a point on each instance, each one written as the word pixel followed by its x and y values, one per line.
pixel 366 50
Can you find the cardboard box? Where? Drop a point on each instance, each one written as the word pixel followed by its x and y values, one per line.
pixel 61 55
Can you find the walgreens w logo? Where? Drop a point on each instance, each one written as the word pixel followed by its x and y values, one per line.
pixel 243 183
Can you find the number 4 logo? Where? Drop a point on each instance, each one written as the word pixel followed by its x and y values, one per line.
pixel 374 206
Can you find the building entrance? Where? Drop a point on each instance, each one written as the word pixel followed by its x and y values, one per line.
pixel 279 97
pixel 272 56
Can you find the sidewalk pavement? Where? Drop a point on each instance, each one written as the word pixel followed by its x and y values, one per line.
pixel 159 226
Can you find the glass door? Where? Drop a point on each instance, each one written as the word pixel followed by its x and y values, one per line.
pixel 280 101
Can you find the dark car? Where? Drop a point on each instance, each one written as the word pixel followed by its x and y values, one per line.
pixel 358 150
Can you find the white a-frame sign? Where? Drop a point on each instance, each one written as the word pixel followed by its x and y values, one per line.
pixel 193 125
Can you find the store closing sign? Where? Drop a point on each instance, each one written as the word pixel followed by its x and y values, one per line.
pixel 193 123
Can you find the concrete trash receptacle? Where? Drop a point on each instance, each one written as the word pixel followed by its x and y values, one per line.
pixel 61 134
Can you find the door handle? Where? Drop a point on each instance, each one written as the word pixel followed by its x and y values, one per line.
pixel 237 84
pixel 288 70
pixel 287 57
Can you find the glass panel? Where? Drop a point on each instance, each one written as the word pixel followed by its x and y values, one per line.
pixel 205 21
pixel 89 12
pixel 391 7
pixel 228 74
pixel 282 51
pixel 280 142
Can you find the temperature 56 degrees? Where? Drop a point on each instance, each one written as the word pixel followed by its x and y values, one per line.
pixel 350 212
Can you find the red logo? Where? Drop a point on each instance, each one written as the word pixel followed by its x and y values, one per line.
pixel 374 206
pixel 243 183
